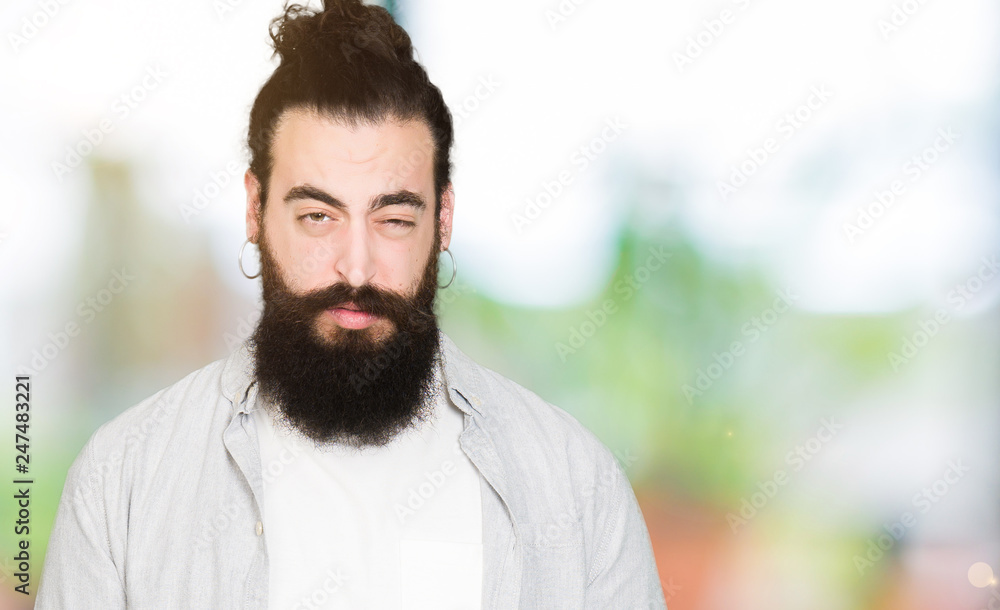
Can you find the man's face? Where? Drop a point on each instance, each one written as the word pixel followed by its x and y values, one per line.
pixel 346 345
pixel 350 205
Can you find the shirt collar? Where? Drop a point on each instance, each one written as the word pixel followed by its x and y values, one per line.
pixel 462 378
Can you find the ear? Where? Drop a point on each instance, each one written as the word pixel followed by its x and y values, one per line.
pixel 447 213
pixel 253 205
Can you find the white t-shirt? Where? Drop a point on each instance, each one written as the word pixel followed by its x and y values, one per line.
pixel 398 526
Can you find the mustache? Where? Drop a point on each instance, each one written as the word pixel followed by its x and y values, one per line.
pixel 367 298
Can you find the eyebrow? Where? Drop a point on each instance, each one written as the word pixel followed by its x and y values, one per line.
pixel 400 197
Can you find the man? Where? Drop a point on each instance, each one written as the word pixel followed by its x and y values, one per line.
pixel 349 455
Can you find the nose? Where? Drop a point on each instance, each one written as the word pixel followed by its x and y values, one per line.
pixel 356 261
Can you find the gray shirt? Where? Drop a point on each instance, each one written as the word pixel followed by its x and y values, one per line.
pixel 162 508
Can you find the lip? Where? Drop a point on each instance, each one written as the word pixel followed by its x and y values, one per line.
pixel 350 317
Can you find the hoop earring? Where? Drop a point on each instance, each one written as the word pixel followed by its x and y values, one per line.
pixel 454 269
pixel 240 261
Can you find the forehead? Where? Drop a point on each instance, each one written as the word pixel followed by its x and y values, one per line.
pixel 365 157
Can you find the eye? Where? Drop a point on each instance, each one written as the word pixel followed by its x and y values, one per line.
pixel 314 216
pixel 399 222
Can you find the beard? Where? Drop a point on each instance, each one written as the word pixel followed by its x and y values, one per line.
pixel 347 386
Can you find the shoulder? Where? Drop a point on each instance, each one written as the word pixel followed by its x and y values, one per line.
pixel 537 442
pixel 520 411
pixel 162 428
pixel 562 485
pixel 192 399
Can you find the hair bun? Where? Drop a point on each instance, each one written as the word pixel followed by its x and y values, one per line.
pixel 342 28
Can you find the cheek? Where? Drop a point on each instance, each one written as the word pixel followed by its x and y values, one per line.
pixel 395 269
pixel 305 263
pixel 401 266
pixel 314 262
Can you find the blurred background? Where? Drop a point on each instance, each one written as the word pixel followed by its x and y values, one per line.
pixel 751 244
